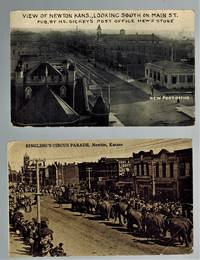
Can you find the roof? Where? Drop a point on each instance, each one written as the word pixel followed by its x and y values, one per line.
pixel 173 65
pixel 44 69
pixel 46 108
pixel 131 37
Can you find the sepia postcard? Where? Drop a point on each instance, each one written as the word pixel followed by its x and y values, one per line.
pixel 100 197
pixel 102 68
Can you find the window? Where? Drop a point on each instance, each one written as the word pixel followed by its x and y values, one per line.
pixel 174 79
pixel 189 78
pixel 154 76
pixel 150 73
pixel 164 169
pixel 171 169
pixel 182 78
pixel 147 169
pixel 28 93
pixel 63 91
pixel 147 72
pixel 158 76
pixel 182 168
pixel 190 170
pixel 138 170
pixel 166 79
pixel 142 168
pixel 157 169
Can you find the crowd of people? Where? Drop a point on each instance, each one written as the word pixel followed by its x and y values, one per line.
pixel 174 216
pixel 37 235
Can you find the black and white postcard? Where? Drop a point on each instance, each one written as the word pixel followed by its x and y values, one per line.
pixel 102 68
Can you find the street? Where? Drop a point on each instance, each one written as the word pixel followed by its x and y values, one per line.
pixel 85 234
pixel 130 99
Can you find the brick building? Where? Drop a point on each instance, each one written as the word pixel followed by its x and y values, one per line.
pixel 163 175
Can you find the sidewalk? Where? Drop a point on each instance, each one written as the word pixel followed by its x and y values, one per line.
pixel 140 85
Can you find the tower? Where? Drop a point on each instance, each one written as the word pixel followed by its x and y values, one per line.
pixel 26 160
pixel 99 31
pixel 19 85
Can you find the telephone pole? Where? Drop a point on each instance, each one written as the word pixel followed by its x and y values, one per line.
pixel 89 178
pixel 38 194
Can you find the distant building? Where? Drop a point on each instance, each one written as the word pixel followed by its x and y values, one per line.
pixel 122 32
pixel 105 173
pixel 29 171
pixel 62 174
pixel 163 175
pixel 170 74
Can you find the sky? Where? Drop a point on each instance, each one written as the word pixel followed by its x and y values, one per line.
pixel 71 153
pixel 183 20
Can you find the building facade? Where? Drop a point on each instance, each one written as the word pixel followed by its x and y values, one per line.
pixel 163 175
pixel 170 74
pixel 29 169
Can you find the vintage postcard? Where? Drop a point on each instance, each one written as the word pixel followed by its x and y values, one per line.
pixel 100 198
pixel 102 68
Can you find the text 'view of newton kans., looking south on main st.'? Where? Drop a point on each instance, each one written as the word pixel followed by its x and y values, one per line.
pixel 102 68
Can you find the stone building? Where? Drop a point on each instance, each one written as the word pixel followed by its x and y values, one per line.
pixel 170 74
pixel 62 174
pixel 163 175
pixel 29 171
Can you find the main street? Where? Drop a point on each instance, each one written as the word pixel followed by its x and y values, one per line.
pixel 85 234
pixel 130 99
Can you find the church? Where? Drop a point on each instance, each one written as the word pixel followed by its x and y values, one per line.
pixel 53 93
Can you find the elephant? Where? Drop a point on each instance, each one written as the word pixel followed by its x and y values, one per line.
pixel 153 224
pixel 134 217
pixel 179 227
pixel 104 208
pixel 120 210
pixel 90 204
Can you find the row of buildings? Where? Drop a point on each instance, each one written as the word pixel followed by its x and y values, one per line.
pixel 161 61
pixel 162 175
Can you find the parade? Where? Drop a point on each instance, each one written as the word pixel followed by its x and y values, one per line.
pixel 169 222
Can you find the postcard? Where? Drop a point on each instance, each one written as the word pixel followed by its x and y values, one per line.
pixel 100 197
pixel 102 67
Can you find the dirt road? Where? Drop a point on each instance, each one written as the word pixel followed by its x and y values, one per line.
pixel 84 235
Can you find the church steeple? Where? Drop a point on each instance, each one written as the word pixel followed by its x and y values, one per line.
pixel 99 31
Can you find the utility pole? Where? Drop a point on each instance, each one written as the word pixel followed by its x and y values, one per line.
pixel 153 182
pixel 38 194
pixel 89 178
pixel 109 97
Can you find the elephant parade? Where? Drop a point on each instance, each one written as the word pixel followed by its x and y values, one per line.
pixel 168 223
